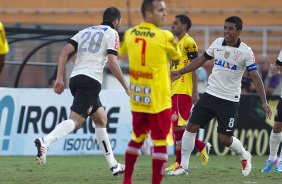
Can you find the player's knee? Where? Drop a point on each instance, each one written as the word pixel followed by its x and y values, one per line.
pixel 193 128
pixel 226 140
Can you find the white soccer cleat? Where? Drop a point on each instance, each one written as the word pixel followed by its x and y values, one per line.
pixel 247 165
pixel 118 169
pixel 41 151
pixel 177 171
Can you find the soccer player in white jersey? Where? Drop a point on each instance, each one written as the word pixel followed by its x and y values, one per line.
pixel 222 95
pixel 276 133
pixel 95 46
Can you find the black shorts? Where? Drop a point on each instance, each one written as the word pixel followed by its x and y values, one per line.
pixel 85 91
pixel 278 115
pixel 209 107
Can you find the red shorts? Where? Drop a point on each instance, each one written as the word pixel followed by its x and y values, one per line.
pixel 158 125
pixel 181 106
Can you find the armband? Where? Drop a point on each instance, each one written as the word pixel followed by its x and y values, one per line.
pixel 252 67
pixel 279 63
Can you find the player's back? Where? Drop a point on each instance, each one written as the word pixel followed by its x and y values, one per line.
pixel 93 43
pixel 148 49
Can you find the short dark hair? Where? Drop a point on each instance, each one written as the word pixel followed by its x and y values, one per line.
pixel 237 20
pixel 147 5
pixel 184 19
pixel 111 14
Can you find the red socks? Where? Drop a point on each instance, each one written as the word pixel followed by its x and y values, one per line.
pixel 199 145
pixel 178 140
pixel 131 155
pixel 159 163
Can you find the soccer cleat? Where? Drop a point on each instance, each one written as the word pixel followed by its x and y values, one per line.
pixel 41 151
pixel 247 165
pixel 177 171
pixel 278 167
pixel 118 169
pixel 268 166
pixel 172 167
pixel 204 154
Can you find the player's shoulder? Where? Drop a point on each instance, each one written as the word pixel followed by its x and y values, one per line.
pixel 244 46
pixel 189 39
pixel 167 34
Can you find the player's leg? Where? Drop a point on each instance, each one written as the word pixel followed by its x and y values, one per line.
pixel 161 134
pixel 100 119
pixel 227 121
pixel 199 116
pixel 140 131
pixel 204 150
pixel 78 115
pixel 274 142
pixel 181 105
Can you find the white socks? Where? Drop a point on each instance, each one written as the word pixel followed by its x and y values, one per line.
pixel 60 131
pixel 105 146
pixel 274 142
pixel 188 143
pixel 238 148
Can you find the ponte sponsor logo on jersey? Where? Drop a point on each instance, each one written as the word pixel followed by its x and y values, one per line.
pixel 145 33
pixel 225 64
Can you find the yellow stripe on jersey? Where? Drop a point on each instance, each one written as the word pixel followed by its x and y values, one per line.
pixel 4 48
pixel 189 51
pixel 148 48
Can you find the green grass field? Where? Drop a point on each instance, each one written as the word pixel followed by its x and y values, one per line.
pixel 93 169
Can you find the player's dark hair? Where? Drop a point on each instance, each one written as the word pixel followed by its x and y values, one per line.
pixel 237 20
pixel 111 14
pixel 147 5
pixel 184 19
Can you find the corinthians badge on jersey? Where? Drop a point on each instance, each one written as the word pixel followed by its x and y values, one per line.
pixel 226 55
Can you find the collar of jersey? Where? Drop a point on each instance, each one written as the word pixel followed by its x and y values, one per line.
pixel 108 24
pixel 237 44
pixel 147 24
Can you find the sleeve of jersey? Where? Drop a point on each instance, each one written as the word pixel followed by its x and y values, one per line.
pixel 172 51
pixel 73 43
pixel 279 59
pixel 122 48
pixel 250 61
pixel 192 50
pixel 113 43
pixel 4 47
pixel 74 40
pixel 209 54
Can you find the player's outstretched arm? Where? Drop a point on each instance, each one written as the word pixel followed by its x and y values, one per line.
pixel 261 92
pixel 115 69
pixel 193 65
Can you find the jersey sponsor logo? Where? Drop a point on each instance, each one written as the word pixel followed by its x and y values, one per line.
pixel 116 41
pixel 146 33
pixel 99 28
pixel 140 94
pixel 225 64
pixel 139 74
